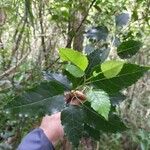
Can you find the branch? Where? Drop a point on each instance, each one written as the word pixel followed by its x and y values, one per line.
pixel 10 70
pixel 41 12
pixel 91 5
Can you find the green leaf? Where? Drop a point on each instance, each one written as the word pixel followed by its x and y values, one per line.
pixel 58 77
pixel 89 48
pixel 122 19
pixel 93 119
pixel 47 97
pixel 128 48
pixel 97 57
pixel 75 81
pixel 99 102
pixel 72 119
pixel 129 74
pixel 74 70
pixel 74 57
pixel 97 33
pixel 111 68
pixel 91 132
pixel 116 98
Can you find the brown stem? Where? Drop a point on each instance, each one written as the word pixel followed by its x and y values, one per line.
pixel 42 33
pixel 19 37
pixel 71 38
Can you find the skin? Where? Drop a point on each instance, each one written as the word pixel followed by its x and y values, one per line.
pixel 51 125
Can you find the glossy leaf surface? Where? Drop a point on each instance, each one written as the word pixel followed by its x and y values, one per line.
pixel 93 119
pixel 47 97
pixel 122 19
pixel 128 48
pixel 129 74
pixel 97 33
pixel 72 119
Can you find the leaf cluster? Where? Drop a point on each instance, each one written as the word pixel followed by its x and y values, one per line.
pixel 101 83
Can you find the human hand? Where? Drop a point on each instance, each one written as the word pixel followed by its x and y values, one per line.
pixel 51 125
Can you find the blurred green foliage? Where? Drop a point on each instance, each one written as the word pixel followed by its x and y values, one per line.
pixel 24 24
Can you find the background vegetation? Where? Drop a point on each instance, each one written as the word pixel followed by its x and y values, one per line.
pixel 32 31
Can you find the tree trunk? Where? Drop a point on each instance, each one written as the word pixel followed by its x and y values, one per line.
pixel 78 22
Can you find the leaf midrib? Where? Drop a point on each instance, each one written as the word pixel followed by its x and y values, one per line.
pixel 30 104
